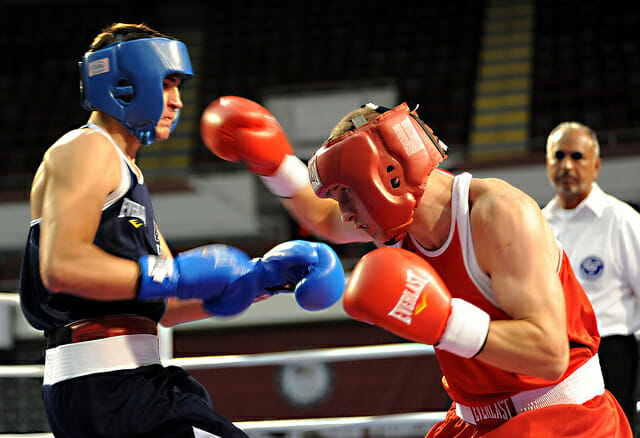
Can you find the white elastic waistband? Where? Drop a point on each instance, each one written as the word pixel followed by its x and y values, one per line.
pixel 101 355
pixel 579 387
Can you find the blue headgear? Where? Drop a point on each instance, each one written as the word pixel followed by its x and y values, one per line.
pixel 125 80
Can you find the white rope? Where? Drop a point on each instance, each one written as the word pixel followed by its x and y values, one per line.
pixel 278 358
pixel 29 435
pixel 247 360
pixel 9 297
pixel 425 419
pixel 304 356
pixel 21 371
pixel 264 359
pixel 309 424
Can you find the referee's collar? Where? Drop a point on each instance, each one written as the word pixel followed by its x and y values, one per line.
pixel 595 201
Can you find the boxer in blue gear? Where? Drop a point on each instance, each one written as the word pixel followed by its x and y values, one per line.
pixel 97 275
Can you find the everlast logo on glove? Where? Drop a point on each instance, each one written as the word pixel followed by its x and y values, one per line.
pixel 405 308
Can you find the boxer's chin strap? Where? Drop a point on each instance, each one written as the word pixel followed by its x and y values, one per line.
pixel 396 239
pixel 440 146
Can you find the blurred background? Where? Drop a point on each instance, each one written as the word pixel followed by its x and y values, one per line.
pixel 491 77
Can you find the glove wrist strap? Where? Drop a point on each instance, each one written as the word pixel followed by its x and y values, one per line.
pixel 290 177
pixel 156 280
pixel 466 331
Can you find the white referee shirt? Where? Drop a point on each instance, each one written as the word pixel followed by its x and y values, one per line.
pixel 602 240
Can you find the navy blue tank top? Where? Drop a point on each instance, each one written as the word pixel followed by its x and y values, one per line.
pixel 127 229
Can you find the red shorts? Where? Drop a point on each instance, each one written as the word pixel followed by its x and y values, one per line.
pixel 600 417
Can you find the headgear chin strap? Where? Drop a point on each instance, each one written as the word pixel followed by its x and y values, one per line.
pixel 125 80
pixel 385 162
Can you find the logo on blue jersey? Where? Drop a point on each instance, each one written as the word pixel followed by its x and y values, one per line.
pixel 134 210
pixel 156 237
pixel 137 223
pixel 591 267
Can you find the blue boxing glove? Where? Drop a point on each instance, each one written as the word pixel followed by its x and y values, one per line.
pixel 202 273
pixel 310 270
pixel 324 284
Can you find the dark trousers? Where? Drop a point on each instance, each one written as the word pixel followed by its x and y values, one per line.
pixel 148 402
pixel 619 363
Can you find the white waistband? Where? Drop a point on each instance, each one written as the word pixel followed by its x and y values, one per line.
pixel 579 387
pixel 98 356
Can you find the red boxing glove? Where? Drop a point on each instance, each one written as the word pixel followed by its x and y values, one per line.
pixel 238 129
pixel 402 293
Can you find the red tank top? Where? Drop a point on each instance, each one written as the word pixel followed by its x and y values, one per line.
pixel 472 382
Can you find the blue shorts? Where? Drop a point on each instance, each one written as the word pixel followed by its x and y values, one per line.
pixel 150 401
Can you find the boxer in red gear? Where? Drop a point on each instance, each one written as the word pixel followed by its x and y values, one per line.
pixel 518 342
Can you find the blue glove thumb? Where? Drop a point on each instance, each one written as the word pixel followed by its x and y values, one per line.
pixel 285 265
pixel 324 283
pixel 311 270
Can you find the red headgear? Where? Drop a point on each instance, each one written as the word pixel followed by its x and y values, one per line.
pixel 385 162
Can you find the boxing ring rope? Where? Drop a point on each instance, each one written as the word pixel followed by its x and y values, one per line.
pixel 263 359
pixel 425 419
pixel 9 297
pixel 324 424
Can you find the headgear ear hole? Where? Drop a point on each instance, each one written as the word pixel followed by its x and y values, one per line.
pixel 124 91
